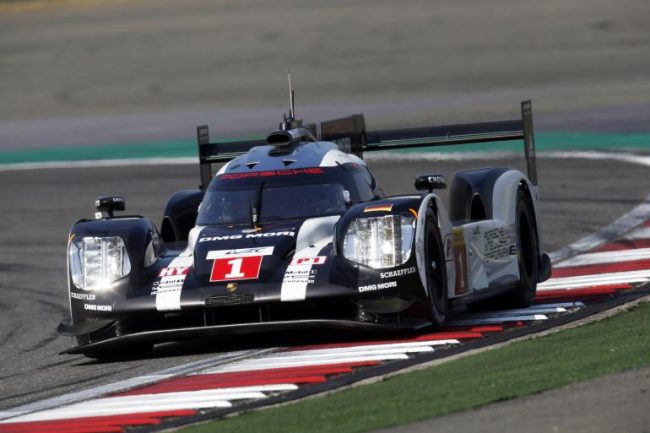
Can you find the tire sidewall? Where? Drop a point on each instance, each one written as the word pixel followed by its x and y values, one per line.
pixel 437 291
pixel 527 241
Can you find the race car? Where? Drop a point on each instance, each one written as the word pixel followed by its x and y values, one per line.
pixel 293 232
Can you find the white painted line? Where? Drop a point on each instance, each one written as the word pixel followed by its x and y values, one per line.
pixel 165 398
pixel 562 304
pixel 634 218
pixel 439 342
pixel 237 389
pixel 66 413
pixel 600 156
pixel 517 312
pixel 605 257
pixel 379 156
pixel 379 347
pixel 640 234
pixel 335 355
pixel 98 163
pixel 420 346
pixel 493 320
pixel 303 363
pixel 127 384
pixel 595 280
pixel 354 351
pixel 171 399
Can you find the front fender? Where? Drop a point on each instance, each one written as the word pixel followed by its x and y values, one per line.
pixel 141 240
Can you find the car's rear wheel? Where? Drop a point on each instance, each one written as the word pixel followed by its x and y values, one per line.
pixel 436 271
pixel 523 294
pixel 527 258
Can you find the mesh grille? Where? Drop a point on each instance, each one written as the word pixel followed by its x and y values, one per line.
pixel 231 299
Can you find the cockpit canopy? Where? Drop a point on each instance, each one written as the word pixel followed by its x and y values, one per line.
pixel 277 195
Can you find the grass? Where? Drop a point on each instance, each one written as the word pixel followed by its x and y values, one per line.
pixel 608 346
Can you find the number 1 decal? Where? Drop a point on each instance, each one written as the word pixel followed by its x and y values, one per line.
pixel 235 269
pixel 240 268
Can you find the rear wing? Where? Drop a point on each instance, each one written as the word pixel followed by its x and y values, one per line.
pixel 350 135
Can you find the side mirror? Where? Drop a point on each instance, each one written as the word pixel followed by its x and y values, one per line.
pixel 429 182
pixel 106 205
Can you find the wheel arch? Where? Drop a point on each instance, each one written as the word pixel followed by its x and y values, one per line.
pixel 180 215
pixel 433 202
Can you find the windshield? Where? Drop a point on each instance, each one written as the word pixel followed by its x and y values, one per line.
pixel 277 203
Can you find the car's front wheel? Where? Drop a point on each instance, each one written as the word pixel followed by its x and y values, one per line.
pixel 436 271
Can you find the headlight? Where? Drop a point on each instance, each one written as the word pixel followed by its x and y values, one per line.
pixel 379 242
pixel 97 262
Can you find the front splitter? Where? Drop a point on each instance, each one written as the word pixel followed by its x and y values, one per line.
pixel 179 334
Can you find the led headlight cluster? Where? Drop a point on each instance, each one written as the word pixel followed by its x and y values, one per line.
pixel 379 242
pixel 97 262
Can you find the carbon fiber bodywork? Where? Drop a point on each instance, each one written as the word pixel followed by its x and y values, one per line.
pixel 264 252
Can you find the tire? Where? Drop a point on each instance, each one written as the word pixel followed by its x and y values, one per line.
pixel 523 295
pixel 527 257
pixel 436 272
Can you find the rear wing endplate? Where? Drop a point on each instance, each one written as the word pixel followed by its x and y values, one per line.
pixel 350 135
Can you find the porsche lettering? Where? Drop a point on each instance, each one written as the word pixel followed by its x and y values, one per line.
pixel 269 173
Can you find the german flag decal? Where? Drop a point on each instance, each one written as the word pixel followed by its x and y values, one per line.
pixel 379 208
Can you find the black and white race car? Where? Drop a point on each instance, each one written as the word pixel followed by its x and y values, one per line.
pixel 294 232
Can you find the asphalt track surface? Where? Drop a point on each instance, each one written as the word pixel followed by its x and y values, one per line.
pixel 578 198
pixel 154 70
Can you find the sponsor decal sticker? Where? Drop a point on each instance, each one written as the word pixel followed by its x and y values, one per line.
pixel 83 296
pixel 306 276
pixel 95 307
pixel 316 260
pixel 239 264
pixel 498 243
pixel 378 208
pixel 173 271
pixel 289 172
pixel 240 252
pixel 398 273
pixel 168 284
pixel 460 257
pixel 247 236
pixel 378 286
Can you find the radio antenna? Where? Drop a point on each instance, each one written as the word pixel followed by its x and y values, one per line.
pixel 291 104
